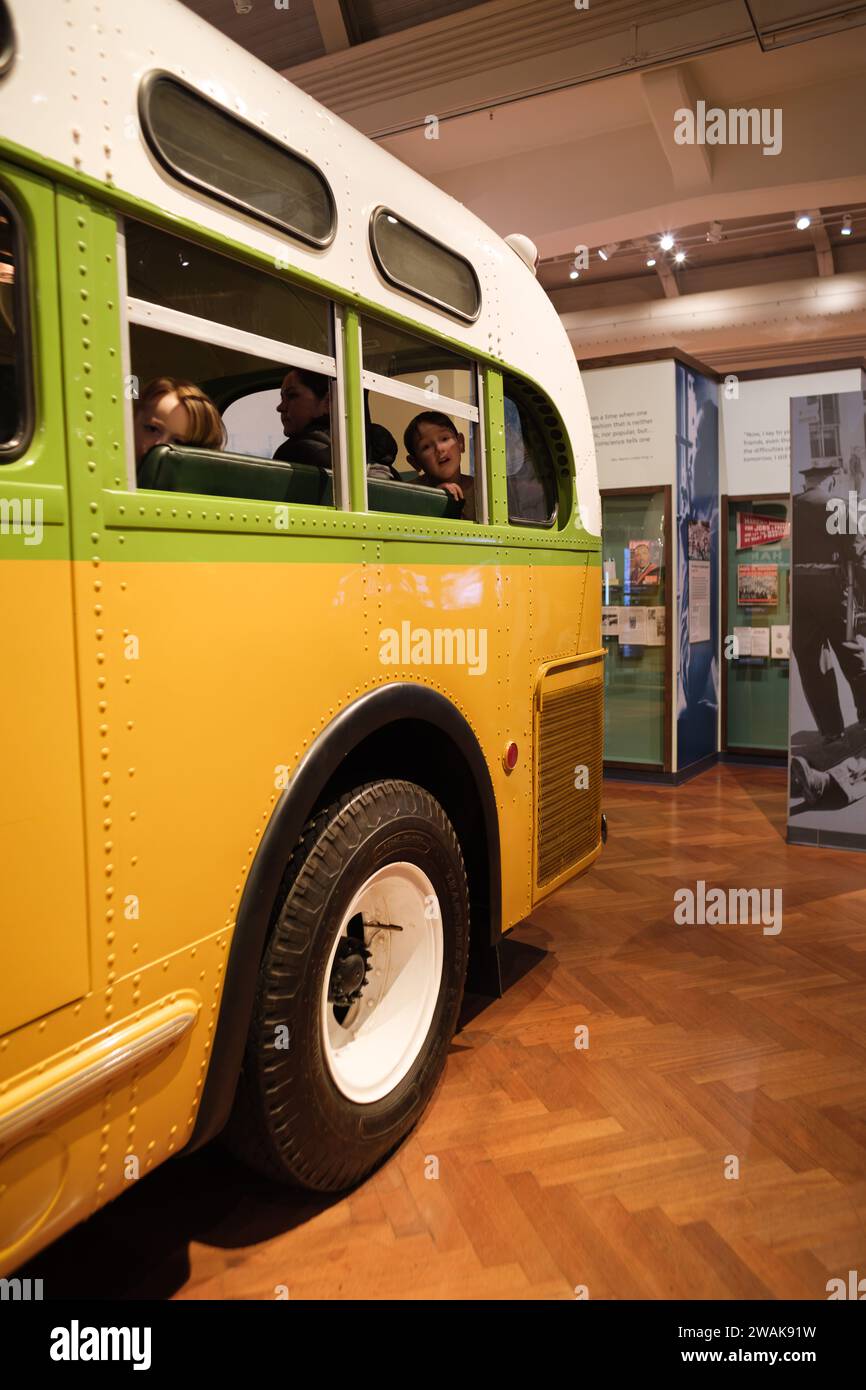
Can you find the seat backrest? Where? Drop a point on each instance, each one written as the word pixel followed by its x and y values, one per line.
pixel 386 496
pixel 178 468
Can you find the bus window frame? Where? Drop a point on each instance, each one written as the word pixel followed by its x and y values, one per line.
pixel 554 523
pixel 412 290
pixel 219 195
pixel 14 448
pixel 428 400
pixel 147 314
pixel 9 49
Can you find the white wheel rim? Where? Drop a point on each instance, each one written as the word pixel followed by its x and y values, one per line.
pixel 371 1048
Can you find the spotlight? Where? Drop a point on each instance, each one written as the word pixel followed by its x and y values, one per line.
pixel 607 251
pixel 847 229
pixel 651 260
pixel 803 221
pixel 666 242
pixel 680 257
pixel 574 275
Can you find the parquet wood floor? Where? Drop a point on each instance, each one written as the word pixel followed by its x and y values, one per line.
pixel 602 1166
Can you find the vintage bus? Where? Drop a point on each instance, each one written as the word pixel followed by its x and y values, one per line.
pixel 292 736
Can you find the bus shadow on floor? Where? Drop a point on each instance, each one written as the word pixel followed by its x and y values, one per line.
pixel 137 1247
pixel 516 960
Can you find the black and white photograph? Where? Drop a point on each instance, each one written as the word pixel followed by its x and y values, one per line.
pixel 828 620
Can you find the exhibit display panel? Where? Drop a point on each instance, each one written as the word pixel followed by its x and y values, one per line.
pixel 636 626
pixel 756 607
pixel 827 785
pixel 697 452
pixel 656 428
pixel 755 421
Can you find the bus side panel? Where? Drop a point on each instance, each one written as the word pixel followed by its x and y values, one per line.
pixel 43 947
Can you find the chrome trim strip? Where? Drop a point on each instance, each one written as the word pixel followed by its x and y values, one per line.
pixel 77 1090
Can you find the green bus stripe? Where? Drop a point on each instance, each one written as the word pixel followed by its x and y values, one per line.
pixel 113 523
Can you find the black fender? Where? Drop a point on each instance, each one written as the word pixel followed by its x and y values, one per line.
pixel 328 767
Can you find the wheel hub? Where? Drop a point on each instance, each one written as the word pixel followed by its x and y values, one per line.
pixel 349 973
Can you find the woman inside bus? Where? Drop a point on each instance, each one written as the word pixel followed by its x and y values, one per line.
pixel 305 411
pixel 172 411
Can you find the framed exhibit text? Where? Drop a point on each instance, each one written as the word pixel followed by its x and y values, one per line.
pixel 756 617
pixel 636 627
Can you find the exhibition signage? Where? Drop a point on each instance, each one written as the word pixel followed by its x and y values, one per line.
pixel 753 529
pixel 697 521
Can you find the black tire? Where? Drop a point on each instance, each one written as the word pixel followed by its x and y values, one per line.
pixel 290 1121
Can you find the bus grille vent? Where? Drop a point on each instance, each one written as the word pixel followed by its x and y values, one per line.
pixel 569 820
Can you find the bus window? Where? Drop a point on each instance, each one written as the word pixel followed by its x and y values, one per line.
pixel 431 392
pixel 252 423
pixel 230 160
pixel 14 386
pixel 169 270
pixel 252 342
pixel 529 466
pixel 415 262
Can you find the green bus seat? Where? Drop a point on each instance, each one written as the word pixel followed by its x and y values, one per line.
pixel 212 473
pixel 407 498
pixel 176 468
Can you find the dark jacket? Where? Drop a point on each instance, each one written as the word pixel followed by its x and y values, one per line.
pixel 313 445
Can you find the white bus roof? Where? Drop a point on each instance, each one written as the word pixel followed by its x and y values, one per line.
pixel 71 95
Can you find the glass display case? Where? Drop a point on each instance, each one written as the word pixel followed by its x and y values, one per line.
pixel 756 623
pixel 636 626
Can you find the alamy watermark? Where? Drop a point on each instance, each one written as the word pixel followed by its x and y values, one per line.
pixel 720 907
pixel 846 518
pixel 20 1290
pixel 436 646
pixel 22 518
pixel 855 1287
pixel 736 126
pixel 77 1343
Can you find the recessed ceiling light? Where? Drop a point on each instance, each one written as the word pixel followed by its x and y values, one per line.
pixel 847 228
pixel 803 221
pixel 666 242
pixel 680 257
pixel 574 275
pixel 651 260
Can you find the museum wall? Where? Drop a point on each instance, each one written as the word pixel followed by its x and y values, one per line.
pixel 755 427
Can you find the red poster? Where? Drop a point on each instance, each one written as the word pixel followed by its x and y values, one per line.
pixel 760 530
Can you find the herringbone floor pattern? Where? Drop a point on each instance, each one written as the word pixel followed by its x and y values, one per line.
pixel 602 1166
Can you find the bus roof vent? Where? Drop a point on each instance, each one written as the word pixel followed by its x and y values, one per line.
pixel 526 249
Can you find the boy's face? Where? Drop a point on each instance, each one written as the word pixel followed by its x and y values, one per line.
pixel 437 452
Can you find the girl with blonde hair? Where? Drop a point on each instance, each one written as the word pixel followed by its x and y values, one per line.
pixel 172 411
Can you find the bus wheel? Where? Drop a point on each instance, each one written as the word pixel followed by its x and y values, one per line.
pixel 359 989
